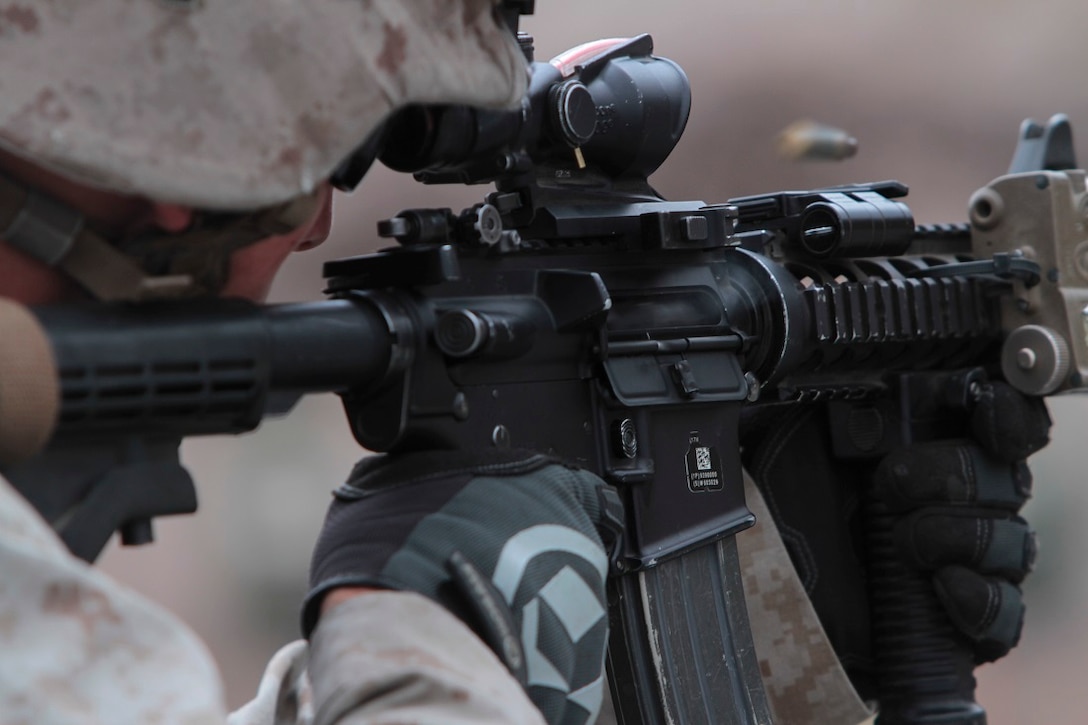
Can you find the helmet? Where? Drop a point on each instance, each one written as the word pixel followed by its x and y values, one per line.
pixel 234 104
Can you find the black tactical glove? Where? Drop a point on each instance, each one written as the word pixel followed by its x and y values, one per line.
pixel 506 540
pixel 955 503
pixel 958 500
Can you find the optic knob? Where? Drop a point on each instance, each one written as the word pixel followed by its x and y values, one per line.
pixel 488 224
pixel 1035 359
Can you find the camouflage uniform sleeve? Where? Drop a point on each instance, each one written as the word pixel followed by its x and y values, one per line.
pixel 284 695
pixel 76 646
pixel 396 657
pixel 385 658
pixel 804 680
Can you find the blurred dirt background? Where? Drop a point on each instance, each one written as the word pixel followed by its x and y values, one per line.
pixel 935 92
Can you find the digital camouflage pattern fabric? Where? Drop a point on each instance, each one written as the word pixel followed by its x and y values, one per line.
pixel 804 680
pixel 77 647
pixel 233 104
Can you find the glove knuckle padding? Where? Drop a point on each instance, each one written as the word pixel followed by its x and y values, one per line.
pixel 1009 424
pixel 990 611
pixel 528 526
pixel 952 472
pixel 933 537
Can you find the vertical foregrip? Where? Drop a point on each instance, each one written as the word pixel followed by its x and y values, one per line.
pixel 924 669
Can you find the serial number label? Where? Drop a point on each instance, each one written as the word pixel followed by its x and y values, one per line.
pixel 704 466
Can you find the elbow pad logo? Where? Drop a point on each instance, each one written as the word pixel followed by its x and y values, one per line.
pixel 553 576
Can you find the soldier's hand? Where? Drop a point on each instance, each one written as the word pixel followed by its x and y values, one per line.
pixel 958 502
pixel 508 541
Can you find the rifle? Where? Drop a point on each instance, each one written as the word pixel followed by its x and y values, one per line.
pixel 652 325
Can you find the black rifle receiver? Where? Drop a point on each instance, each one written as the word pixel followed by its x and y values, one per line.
pixel 574 311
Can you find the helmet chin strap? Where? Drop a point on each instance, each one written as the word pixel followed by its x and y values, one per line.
pixel 192 263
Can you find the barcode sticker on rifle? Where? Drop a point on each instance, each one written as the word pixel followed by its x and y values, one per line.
pixel 703 467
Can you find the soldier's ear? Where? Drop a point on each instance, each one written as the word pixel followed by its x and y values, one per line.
pixel 171 217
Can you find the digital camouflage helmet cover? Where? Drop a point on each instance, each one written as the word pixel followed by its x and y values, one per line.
pixel 233 104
